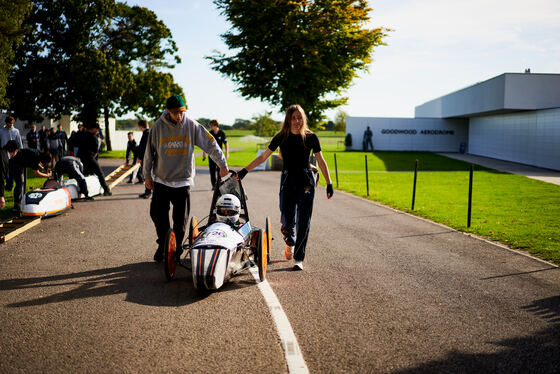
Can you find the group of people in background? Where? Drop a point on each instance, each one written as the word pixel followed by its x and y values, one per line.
pixel 75 156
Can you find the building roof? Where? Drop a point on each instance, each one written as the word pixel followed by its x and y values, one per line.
pixel 506 93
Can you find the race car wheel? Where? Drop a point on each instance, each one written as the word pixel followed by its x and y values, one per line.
pixel 268 233
pixel 193 230
pixel 169 261
pixel 262 255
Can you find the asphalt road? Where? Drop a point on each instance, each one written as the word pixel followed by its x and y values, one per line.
pixel 382 292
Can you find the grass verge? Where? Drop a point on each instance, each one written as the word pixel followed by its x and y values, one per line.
pixel 520 212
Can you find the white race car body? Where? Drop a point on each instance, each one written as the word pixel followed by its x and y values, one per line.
pixel 94 187
pixel 217 254
pixel 46 202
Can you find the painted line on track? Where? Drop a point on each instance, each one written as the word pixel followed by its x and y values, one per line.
pixel 292 352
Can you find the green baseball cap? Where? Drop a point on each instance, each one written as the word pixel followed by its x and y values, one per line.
pixel 176 101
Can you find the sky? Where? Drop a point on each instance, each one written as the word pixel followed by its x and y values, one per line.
pixel 435 47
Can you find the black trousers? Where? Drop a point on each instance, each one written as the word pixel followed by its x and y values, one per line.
pixel 159 211
pixel 20 178
pixel 74 171
pixel 92 167
pixel 214 171
pixel 297 191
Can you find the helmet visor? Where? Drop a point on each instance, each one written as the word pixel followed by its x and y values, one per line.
pixel 227 212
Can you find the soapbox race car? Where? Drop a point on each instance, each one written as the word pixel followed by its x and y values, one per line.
pixel 225 245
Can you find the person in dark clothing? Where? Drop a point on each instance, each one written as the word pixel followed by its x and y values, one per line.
pixel 74 169
pixel 33 137
pixel 53 145
pixel 20 160
pixel 297 183
pixel 5 153
pixel 367 143
pixel 87 153
pixel 131 148
pixel 220 137
pixel 63 138
pixel 141 150
pixel 43 133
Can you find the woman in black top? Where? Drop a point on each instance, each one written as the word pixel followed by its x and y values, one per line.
pixel 297 184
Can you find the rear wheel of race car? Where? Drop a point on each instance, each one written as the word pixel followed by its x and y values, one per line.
pixel 262 255
pixel 169 261
pixel 193 230
pixel 268 233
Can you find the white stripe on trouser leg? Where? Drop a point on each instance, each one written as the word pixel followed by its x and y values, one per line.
pixel 294 358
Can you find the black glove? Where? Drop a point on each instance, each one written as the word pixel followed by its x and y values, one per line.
pixel 330 191
pixel 242 173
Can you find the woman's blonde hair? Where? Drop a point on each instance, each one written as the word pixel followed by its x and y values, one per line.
pixel 286 126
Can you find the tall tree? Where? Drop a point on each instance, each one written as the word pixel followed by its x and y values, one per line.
pixel 296 51
pixel 12 14
pixel 93 57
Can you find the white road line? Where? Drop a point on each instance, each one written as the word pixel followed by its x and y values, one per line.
pixel 294 357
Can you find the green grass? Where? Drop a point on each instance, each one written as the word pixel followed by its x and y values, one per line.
pixel 520 212
pixel 113 154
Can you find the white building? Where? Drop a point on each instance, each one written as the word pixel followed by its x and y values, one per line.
pixel 513 117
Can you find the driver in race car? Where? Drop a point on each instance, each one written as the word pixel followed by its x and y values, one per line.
pixel 228 208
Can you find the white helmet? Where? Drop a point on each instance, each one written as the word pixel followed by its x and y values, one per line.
pixel 228 208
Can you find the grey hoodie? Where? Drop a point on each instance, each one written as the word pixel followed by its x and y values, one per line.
pixel 169 154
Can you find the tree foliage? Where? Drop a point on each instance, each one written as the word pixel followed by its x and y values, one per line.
pixel 264 125
pixel 92 57
pixel 340 121
pixel 296 51
pixel 12 14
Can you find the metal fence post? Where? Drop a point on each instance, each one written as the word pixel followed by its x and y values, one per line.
pixel 470 195
pixel 367 178
pixel 414 185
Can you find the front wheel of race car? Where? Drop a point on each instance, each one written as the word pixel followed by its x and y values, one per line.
pixel 193 230
pixel 262 252
pixel 169 261
pixel 268 233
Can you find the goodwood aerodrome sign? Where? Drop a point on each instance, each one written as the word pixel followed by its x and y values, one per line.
pixel 414 132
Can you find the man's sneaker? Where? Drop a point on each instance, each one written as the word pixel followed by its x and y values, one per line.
pixel 130 181
pixel 145 195
pixel 288 252
pixel 298 265
pixel 287 237
pixel 89 198
pixel 107 193
pixel 158 256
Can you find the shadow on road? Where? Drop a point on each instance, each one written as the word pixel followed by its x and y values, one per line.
pixel 143 283
pixel 536 353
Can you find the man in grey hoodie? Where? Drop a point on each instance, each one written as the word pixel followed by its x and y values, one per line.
pixel 168 168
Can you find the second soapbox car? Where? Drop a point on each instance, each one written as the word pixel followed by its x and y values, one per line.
pixel 216 251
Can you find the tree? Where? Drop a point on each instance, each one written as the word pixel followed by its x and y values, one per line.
pixel 242 124
pixel 12 14
pixel 204 122
pixel 340 121
pixel 264 125
pixel 296 51
pixel 92 57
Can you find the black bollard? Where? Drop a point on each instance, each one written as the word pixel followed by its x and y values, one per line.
pixel 470 195
pixel 367 178
pixel 414 184
pixel 336 170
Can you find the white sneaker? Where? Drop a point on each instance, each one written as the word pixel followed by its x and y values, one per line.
pixel 298 265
